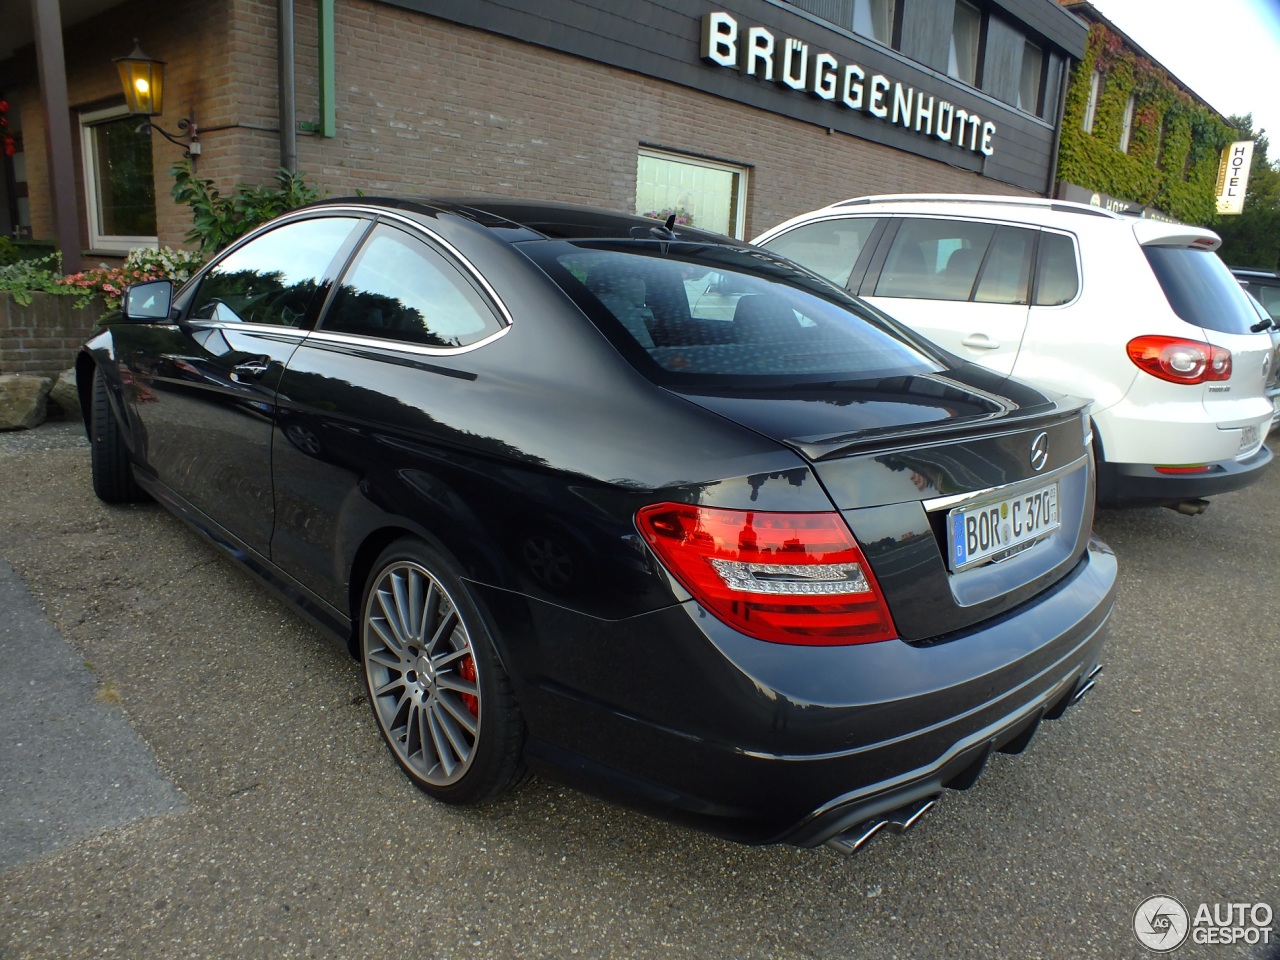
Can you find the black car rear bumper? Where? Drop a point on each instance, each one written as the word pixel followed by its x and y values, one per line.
pixel 1141 485
pixel 767 743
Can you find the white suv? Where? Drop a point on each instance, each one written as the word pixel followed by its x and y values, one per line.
pixel 1140 316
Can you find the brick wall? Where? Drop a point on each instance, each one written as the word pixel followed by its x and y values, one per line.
pixel 42 338
pixel 425 106
pixel 205 71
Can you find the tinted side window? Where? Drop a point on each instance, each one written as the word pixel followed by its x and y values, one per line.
pixel 829 248
pixel 1057 280
pixel 273 278
pixel 1006 274
pixel 934 259
pixel 401 289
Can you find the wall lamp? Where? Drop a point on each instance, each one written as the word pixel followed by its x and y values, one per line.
pixel 143 82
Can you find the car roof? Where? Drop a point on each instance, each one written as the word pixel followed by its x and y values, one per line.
pixel 516 219
pixel 1255 273
pixel 1032 211
pixel 967 201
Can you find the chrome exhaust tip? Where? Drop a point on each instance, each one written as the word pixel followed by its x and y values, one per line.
pixel 897 821
pixel 1086 684
pixel 1189 508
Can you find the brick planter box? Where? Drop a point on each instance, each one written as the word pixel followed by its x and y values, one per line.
pixel 42 337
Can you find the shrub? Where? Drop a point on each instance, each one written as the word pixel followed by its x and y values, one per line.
pixel 143 263
pixel 218 221
pixel 25 277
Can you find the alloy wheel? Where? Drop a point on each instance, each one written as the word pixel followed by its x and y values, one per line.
pixel 421 672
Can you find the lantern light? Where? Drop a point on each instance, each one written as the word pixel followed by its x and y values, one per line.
pixel 143 82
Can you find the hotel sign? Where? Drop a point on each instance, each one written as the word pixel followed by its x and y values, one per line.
pixel 1233 176
pixel 756 51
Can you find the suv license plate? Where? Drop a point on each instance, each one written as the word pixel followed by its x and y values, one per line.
pixel 1250 439
pixel 998 529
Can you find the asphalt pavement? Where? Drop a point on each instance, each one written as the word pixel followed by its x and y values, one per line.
pixel 219 788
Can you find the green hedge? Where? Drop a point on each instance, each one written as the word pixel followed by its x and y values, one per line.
pixel 1174 143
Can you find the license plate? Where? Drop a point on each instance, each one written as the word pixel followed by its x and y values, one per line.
pixel 1250 438
pixel 998 529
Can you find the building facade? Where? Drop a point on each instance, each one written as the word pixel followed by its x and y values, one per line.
pixel 732 115
pixel 1134 137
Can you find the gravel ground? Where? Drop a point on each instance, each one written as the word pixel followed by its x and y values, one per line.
pixel 300 838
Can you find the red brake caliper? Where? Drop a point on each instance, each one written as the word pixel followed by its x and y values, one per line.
pixel 467 670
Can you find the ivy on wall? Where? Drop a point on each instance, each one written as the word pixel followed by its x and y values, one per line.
pixel 1174 143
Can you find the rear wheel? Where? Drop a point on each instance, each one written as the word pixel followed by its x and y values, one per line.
pixel 440 697
pixel 113 480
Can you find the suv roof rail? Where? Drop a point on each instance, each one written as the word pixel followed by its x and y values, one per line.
pixel 1059 206
pixel 1255 272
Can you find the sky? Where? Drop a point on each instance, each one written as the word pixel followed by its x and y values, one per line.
pixel 1227 51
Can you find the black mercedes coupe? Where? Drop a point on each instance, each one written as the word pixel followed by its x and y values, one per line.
pixel 638 507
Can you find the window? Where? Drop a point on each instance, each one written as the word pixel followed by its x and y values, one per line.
pixel 686 311
pixel 119 180
pixel 934 259
pixel 1056 277
pixel 1091 108
pixel 1029 85
pixel 962 58
pixel 1006 273
pixel 400 289
pixel 1200 289
pixel 701 193
pixel 1268 296
pixel 273 278
pixel 1127 130
pixel 874 19
pixel 829 248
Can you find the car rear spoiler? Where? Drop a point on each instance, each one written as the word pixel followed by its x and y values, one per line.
pixel 1156 233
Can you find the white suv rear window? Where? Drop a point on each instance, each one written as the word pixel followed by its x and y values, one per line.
pixel 1201 289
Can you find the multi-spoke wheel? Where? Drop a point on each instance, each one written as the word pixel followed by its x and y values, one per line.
pixel 440 696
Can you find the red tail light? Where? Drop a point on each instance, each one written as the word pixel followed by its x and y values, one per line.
pixel 783 577
pixel 1189 468
pixel 1180 361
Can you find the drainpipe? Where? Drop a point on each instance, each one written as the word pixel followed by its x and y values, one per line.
pixel 288 90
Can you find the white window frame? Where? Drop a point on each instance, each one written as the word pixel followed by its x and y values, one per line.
pixel 107 243
pixel 1091 108
pixel 1127 131
pixel 740 201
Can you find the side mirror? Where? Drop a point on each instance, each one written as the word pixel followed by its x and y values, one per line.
pixel 148 301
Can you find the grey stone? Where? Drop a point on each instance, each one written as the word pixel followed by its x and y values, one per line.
pixel 65 394
pixel 23 401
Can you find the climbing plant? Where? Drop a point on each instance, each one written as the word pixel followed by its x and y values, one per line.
pixel 218 220
pixel 1174 142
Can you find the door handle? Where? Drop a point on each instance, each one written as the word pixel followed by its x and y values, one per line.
pixel 980 341
pixel 251 370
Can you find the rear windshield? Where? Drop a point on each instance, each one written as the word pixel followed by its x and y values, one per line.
pixel 688 311
pixel 1201 289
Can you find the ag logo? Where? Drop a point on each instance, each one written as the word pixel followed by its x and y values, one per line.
pixel 1161 924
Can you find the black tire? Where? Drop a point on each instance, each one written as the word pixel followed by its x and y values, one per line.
pixel 438 692
pixel 112 470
